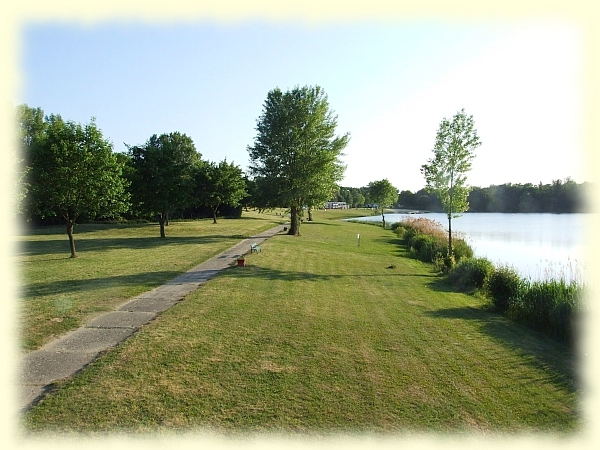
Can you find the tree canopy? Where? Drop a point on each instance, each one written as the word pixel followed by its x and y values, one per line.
pixel 31 127
pixel 445 173
pixel 73 172
pixel 163 174
pixel 296 153
pixel 384 194
pixel 220 184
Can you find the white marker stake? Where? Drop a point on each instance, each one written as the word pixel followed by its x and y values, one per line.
pixel 358 239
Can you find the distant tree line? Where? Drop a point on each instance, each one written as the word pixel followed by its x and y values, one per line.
pixel 560 196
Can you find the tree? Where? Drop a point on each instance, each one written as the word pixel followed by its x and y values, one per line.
pixel 163 175
pixel 384 194
pixel 296 152
pixel 220 184
pixel 453 152
pixel 359 198
pixel 74 172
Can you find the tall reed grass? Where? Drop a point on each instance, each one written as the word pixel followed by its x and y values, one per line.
pixel 427 241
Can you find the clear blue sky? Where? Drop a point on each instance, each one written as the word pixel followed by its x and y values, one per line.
pixel 390 84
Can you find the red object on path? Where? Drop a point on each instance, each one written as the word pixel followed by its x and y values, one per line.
pixel 241 262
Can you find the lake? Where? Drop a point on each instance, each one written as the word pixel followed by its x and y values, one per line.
pixel 539 246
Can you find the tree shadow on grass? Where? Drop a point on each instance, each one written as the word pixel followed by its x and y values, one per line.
pixel 542 352
pixel 284 275
pixel 150 279
pixel 84 228
pixel 53 247
pixel 440 285
pixel 306 222
pixel 400 245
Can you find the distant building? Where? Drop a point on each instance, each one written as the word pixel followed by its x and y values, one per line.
pixel 336 205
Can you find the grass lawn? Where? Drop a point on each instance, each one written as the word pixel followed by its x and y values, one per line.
pixel 114 263
pixel 318 334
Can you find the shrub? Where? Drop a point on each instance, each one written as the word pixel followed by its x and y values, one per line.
pixel 461 249
pixel 395 226
pixel 432 248
pixel 504 286
pixel 400 232
pixel 471 273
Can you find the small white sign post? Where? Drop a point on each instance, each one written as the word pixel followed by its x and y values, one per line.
pixel 358 239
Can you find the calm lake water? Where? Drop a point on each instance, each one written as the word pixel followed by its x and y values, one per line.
pixel 539 246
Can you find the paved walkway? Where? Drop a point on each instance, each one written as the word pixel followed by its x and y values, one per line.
pixel 67 355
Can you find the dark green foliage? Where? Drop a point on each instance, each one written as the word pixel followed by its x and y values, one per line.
pixel 162 174
pixel 430 247
pixel 461 249
pixel 471 273
pixel 505 286
pixel 220 184
pixel 548 306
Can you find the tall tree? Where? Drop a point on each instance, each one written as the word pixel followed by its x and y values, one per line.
pixel 220 184
pixel 445 173
pixel 296 152
pixel 75 172
pixel 384 194
pixel 162 175
pixel 31 126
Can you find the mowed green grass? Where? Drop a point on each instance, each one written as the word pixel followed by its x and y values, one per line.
pixel 318 334
pixel 114 263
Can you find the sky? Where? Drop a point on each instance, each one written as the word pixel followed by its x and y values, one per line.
pixel 390 83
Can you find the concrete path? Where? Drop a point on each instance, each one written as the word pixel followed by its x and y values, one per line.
pixel 67 355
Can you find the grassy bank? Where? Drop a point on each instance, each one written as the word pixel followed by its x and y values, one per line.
pixel 320 334
pixel 552 306
pixel 115 262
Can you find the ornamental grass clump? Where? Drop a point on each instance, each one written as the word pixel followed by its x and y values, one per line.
pixel 427 241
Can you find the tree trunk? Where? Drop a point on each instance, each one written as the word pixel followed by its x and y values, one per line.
pixel 214 211
pixel 161 220
pixel 70 225
pixel 383 217
pixel 449 235
pixel 310 217
pixel 294 221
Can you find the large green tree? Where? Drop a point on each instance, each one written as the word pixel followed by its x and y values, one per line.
pixel 296 152
pixel 163 175
pixel 31 126
pixel 384 194
pixel 73 172
pixel 220 184
pixel 445 173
